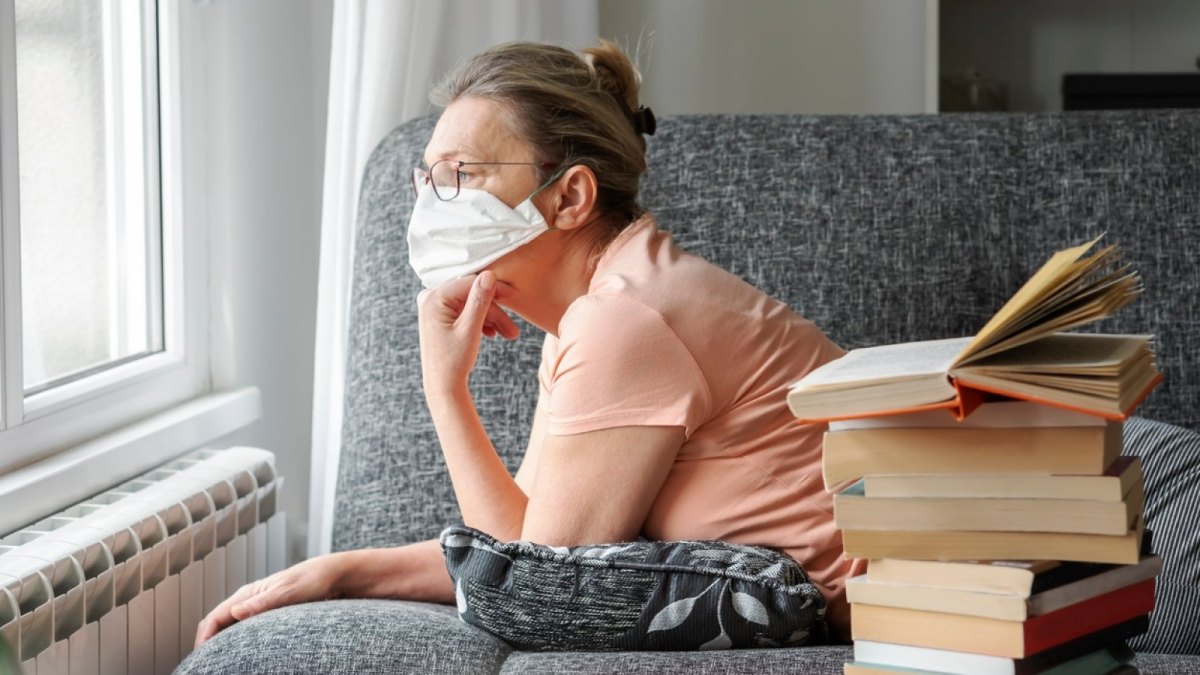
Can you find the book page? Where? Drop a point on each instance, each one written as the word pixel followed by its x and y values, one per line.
pixel 885 363
pixel 1062 268
pixel 1067 353
pixel 1084 309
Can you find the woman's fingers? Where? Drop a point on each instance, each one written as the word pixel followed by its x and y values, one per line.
pixel 478 302
pixel 459 302
pixel 313 579
pixel 500 322
pixel 221 617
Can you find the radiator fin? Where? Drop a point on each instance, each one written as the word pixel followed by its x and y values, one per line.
pixel 118 583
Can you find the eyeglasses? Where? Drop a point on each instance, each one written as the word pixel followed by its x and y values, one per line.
pixel 446 176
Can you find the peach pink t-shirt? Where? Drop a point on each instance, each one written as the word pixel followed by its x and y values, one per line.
pixel 665 338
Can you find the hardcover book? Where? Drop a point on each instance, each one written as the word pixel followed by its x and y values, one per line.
pixel 1012 639
pixel 1112 486
pixel 967 545
pixel 1061 587
pixel 1020 353
pixel 849 455
pixel 853 510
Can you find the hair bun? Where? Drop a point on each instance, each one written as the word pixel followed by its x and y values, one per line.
pixel 644 121
pixel 614 72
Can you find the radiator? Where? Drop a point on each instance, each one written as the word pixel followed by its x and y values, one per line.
pixel 118 583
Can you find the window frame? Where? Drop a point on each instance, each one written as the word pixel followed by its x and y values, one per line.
pixel 40 425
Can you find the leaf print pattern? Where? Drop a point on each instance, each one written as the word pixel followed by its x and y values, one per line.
pixel 750 608
pixel 722 641
pixel 459 599
pixel 675 613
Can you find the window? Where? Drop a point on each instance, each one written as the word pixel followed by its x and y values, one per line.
pixel 95 327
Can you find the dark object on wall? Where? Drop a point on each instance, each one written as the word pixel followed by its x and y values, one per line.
pixel 1131 90
pixel 971 90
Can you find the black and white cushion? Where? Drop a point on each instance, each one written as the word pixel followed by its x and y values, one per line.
pixel 641 595
pixel 1171 464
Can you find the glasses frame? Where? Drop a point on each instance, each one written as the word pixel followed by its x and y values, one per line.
pixel 422 177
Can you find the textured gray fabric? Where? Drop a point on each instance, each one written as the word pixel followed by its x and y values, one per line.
pixel 350 636
pixel 788 661
pixel 1166 664
pixel 641 595
pixel 807 660
pixel 1171 466
pixel 880 229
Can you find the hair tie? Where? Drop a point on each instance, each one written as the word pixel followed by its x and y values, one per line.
pixel 644 121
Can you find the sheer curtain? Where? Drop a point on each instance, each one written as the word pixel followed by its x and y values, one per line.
pixel 385 57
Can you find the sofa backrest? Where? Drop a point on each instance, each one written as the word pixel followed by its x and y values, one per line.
pixel 879 228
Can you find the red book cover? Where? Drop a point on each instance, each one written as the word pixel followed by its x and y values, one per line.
pixel 1046 631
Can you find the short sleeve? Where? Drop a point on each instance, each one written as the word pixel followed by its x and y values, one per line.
pixel 616 363
pixel 549 355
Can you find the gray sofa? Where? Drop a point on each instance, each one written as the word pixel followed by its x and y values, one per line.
pixel 880 229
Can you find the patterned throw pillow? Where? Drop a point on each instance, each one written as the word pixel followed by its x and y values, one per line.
pixel 642 595
pixel 1171 463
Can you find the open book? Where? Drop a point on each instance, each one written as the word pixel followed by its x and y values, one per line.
pixel 1021 353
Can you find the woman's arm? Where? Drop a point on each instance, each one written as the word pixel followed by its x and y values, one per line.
pixel 453 317
pixel 413 572
pixel 590 487
pixel 488 497
pixel 598 486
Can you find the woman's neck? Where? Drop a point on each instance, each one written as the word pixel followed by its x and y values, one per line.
pixel 543 298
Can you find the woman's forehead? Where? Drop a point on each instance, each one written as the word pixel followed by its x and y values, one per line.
pixel 475 130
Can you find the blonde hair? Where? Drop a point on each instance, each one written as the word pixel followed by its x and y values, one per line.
pixel 573 110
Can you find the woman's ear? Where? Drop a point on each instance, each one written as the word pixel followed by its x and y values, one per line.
pixel 574 198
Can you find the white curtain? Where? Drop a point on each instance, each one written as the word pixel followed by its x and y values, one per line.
pixel 386 56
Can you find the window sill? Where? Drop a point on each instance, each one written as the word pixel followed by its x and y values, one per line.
pixel 55 483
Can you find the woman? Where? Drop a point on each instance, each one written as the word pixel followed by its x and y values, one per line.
pixel 662 401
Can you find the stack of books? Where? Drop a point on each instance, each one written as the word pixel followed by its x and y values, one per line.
pixel 983 478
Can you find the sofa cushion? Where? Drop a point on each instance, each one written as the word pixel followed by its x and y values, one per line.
pixel 1171 464
pixel 827 660
pixel 350 636
pixel 829 215
pixel 820 660
pixel 642 595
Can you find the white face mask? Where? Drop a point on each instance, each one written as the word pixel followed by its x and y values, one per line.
pixel 449 240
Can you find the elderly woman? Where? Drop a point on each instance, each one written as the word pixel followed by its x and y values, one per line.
pixel 662 401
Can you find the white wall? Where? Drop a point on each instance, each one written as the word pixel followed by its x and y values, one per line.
pixel 1030 44
pixel 778 56
pixel 266 65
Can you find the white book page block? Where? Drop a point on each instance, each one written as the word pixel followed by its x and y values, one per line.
pixel 166 625
pixel 141 634
pixel 114 641
pixel 85 650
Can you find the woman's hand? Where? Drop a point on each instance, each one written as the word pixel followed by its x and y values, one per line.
pixel 311 580
pixel 453 317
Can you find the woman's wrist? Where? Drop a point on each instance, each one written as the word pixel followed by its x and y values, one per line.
pixel 412 572
pixel 444 398
pixel 345 574
pixel 441 394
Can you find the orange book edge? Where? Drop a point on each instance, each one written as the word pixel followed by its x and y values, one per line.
pixel 969 397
